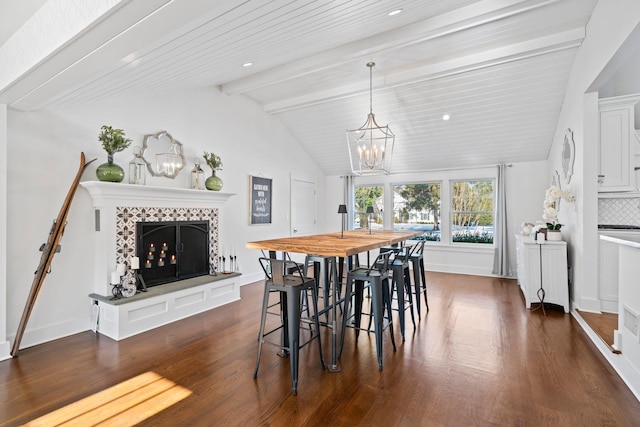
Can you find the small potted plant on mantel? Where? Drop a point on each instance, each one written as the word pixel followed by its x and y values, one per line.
pixel 215 163
pixel 113 141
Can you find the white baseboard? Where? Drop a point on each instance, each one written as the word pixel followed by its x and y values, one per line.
pixel 247 279
pixel 48 333
pixel 589 304
pixel 459 269
pixel 5 350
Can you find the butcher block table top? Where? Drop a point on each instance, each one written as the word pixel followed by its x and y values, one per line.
pixel 330 244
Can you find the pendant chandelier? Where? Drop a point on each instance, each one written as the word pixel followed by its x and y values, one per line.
pixel 371 145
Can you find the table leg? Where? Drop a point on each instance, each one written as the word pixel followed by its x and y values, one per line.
pixel 333 274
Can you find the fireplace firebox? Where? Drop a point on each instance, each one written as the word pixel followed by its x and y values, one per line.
pixel 172 250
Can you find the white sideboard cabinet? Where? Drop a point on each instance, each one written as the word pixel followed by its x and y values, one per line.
pixel 617 144
pixel 544 264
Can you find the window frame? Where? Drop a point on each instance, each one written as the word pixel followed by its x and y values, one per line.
pixel 441 222
pixel 380 212
pixel 451 212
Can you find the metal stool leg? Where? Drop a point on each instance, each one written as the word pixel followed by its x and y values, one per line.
pixel 293 323
pixel 415 264
pixel 386 295
pixel 263 318
pixel 398 285
pixel 424 283
pixel 407 287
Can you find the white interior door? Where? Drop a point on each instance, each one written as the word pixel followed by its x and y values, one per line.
pixel 303 207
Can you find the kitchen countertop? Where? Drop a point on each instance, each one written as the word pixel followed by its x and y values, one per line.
pixel 628 239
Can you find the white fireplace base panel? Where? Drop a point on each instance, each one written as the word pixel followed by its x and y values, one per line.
pixel 123 318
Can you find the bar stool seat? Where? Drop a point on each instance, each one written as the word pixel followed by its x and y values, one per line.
pixel 378 277
pixel 292 288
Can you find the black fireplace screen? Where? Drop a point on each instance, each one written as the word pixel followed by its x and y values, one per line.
pixel 172 250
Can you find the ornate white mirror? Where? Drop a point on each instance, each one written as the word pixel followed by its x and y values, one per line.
pixel 162 154
pixel 568 155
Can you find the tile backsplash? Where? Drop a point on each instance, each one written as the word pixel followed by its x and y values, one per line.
pixel 623 211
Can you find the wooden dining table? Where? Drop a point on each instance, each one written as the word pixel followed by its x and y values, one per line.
pixel 335 245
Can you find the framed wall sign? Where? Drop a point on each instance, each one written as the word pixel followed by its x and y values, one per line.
pixel 260 203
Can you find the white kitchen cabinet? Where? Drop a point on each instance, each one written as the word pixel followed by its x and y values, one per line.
pixel 617 144
pixel 542 265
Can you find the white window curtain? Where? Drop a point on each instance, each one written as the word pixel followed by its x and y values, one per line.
pixel 348 199
pixel 501 255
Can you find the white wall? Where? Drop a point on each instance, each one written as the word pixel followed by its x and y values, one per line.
pixel 611 23
pixel 4 344
pixel 526 185
pixel 43 154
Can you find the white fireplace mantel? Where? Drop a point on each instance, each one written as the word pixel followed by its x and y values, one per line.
pixel 128 319
pixel 105 194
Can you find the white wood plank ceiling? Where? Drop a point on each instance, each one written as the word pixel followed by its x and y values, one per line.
pixel 498 67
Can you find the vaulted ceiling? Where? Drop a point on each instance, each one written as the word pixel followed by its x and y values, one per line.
pixel 498 68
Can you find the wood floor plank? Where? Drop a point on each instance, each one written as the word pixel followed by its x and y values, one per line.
pixel 477 358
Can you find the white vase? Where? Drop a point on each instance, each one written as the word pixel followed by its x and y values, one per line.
pixel 554 235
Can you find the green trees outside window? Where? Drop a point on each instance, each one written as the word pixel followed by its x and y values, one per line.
pixel 472 211
pixel 417 207
pixel 366 196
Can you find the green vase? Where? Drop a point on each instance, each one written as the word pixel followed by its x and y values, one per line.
pixel 213 182
pixel 110 172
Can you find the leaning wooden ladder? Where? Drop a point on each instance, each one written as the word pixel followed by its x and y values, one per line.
pixel 48 249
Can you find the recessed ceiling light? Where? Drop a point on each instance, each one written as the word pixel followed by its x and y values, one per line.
pixel 394 12
pixel 247 64
pixel 446 117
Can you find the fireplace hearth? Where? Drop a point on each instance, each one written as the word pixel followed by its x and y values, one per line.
pixel 118 209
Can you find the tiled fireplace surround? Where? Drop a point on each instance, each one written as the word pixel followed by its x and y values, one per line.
pixel 118 207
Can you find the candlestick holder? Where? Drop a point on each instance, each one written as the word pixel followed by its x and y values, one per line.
pixel 116 290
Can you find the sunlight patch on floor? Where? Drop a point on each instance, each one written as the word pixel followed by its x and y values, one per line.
pixel 124 404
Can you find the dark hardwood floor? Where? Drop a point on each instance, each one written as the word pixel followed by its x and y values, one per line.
pixel 603 324
pixel 478 358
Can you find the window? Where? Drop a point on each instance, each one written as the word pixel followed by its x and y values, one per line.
pixel 366 196
pixel 417 207
pixel 472 211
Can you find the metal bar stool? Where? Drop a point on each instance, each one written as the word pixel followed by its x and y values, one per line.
pixel 378 277
pixel 401 284
pixel 291 288
pixel 419 280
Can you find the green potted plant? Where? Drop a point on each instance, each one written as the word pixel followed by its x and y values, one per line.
pixel 215 163
pixel 113 141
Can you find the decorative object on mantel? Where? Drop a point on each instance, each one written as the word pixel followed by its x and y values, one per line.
pixel 371 145
pixel 137 168
pixel 215 163
pixel 167 153
pixel 552 199
pixel 113 141
pixel 197 176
